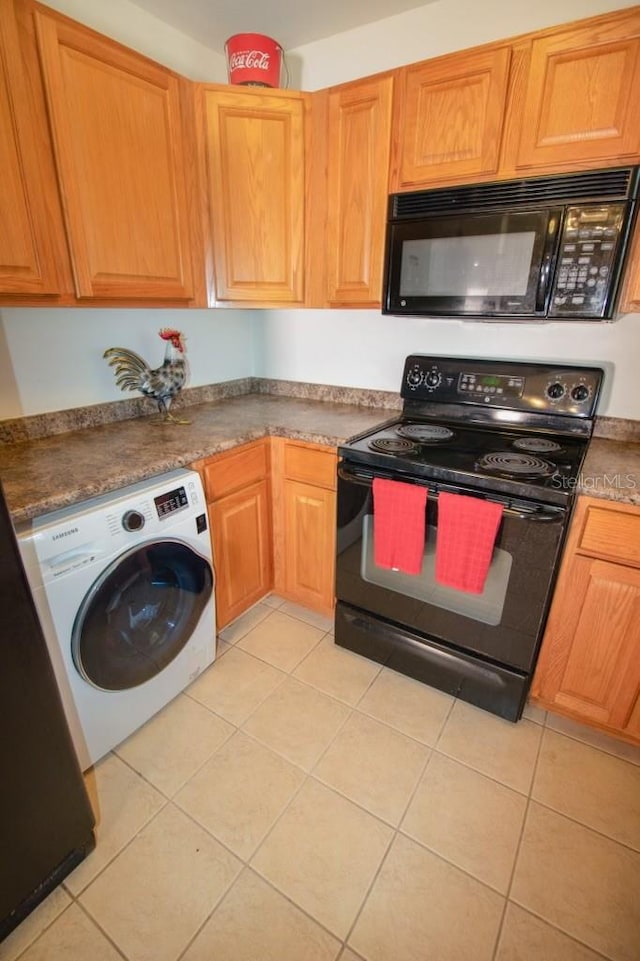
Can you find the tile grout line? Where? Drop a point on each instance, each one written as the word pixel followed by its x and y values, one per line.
pixel 46 928
pixel 596 747
pixel 95 922
pixel 128 843
pixel 396 829
pixel 310 775
pixel 588 827
pixel 281 681
pixel 507 895
pixel 554 927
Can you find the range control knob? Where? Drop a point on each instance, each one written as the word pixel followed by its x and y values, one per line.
pixel 579 393
pixel 433 379
pixel 414 377
pixel 133 521
pixel 556 390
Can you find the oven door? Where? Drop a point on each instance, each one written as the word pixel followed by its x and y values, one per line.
pixel 502 625
pixel 472 264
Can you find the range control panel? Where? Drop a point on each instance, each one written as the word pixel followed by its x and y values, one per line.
pixel 540 388
pixel 586 259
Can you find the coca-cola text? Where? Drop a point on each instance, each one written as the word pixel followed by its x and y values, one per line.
pixel 249 59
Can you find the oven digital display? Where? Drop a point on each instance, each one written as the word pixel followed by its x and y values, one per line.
pixel 501 386
pixel 170 502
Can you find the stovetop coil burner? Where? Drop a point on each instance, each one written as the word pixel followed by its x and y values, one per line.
pixel 393 445
pixel 509 464
pixel 426 433
pixel 536 445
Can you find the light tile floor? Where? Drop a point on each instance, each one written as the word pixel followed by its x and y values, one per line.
pixel 298 803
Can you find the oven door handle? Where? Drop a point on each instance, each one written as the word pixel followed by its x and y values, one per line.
pixel 538 515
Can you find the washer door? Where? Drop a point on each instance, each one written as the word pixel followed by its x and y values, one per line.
pixel 139 614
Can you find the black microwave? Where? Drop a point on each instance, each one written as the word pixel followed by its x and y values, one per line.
pixel 545 248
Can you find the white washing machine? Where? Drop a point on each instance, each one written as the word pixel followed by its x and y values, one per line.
pixel 123 584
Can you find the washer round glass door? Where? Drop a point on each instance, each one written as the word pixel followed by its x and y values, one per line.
pixel 139 614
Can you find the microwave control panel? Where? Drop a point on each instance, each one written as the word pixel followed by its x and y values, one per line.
pixel 586 260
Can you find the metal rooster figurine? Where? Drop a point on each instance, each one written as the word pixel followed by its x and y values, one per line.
pixel 163 383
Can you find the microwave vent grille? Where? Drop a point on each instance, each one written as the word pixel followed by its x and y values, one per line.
pixel 616 183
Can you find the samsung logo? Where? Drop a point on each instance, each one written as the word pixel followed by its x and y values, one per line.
pixel 67 533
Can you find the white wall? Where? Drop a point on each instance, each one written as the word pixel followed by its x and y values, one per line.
pixel 365 349
pixel 124 21
pixel 430 31
pixel 52 359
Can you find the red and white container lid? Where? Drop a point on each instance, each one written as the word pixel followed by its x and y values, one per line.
pixel 253 59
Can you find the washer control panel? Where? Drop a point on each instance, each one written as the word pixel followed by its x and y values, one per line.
pixel 171 501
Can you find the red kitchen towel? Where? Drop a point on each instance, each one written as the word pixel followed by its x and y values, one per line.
pixel 467 528
pixel 398 525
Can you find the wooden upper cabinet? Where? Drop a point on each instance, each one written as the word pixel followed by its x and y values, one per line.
pixel 630 296
pixel 255 173
pixel 119 147
pixel 32 247
pixel 582 97
pixel 359 144
pixel 450 117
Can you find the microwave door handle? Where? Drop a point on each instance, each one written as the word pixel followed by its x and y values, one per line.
pixel 545 266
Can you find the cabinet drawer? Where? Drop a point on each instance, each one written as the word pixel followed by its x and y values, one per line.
pixel 310 465
pixel 231 471
pixel 613 534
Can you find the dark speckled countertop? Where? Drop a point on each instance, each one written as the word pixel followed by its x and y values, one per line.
pixel 44 473
pixel 47 473
pixel 611 470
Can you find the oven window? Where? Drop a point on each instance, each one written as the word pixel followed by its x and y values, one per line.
pixel 486 607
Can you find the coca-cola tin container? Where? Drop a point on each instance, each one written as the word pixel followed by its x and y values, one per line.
pixel 253 59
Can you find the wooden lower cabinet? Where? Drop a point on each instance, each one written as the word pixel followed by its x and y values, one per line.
pixel 589 665
pixel 272 506
pixel 238 491
pixel 241 537
pixel 309 545
pixel 304 486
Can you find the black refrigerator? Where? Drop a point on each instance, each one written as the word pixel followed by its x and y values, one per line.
pixel 46 821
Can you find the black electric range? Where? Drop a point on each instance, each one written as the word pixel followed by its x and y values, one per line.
pixel 519 430
pixel 512 433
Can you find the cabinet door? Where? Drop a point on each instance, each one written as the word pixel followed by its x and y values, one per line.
pixel 309 544
pixel 255 177
pixel 630 296
pixel 118 141
pixel 451 117
pixel 31 236
pixel 359 131
pixel 583 95
pixel 590 659
pixel 242 554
